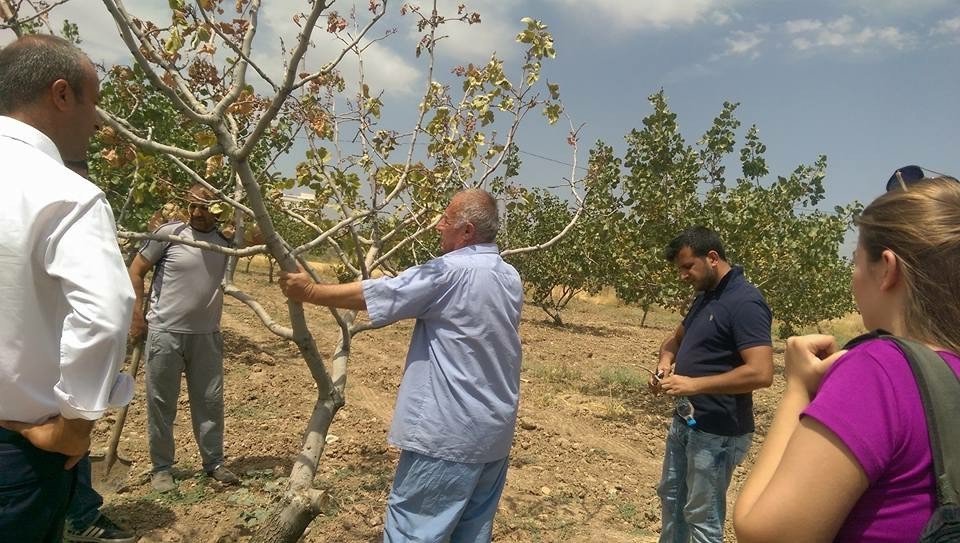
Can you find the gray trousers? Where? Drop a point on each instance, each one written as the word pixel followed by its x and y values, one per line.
pixel 200 358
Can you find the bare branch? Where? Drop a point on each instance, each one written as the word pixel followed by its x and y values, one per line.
pixel 130 35
pixel 240 67
pixel 222 194
pixel 418 128
pixel 403 242
pixel 350 45
pixel 365 327
pixel 288 85
pixel 344 259
pixel 245 55
pixel 150 145
pixel 231 290
pixel 573 220
pixel 246 251
pixel 13 20
pixel 330 232
pixel 414 217
pixel 303 43
pixel 133 185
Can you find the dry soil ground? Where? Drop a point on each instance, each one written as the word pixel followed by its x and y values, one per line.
pixel 584 465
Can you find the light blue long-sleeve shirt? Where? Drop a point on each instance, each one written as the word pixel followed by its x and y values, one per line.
pixel 461 384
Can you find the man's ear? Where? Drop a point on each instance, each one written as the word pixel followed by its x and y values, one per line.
pixel 469 231
pixel 892 273
pixel 62 94
pixel 713 257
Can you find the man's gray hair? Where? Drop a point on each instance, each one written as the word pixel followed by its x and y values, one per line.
pixel 479 208
pixel 31 64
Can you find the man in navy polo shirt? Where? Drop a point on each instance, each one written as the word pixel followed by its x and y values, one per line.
pixel 719 354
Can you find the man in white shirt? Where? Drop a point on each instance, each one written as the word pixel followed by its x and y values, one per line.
pixel 63 288
pixel 85 522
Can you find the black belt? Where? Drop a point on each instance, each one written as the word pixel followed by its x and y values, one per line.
pixel 9 436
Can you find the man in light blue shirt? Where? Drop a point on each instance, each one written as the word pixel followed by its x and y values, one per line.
pixel 457 405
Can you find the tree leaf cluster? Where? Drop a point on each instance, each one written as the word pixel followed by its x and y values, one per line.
pixel 777 230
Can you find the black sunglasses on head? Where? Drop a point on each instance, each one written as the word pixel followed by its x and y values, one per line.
pixel 908 175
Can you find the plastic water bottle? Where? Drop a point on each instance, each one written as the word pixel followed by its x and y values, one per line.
pixel 685 411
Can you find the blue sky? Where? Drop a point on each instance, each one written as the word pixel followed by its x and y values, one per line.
pixel 873 84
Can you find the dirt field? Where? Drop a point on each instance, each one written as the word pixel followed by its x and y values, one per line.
pixel 584 465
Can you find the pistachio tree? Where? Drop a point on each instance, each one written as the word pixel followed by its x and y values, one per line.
pixel 788 246
pixel 583 261
pixel 194 106
pixel 776 229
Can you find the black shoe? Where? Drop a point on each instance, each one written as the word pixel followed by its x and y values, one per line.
pixel 101 531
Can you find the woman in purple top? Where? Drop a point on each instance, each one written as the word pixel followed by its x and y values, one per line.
pixel 847 457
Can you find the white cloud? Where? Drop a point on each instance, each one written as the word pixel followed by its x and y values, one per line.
pixel 384 68
pixel 722 18
pixel 844 33
pixel 100 39
pixel 638 14
pixel 474 43
pixel 947 26
pixel 885 7
pixel 802 25
pixel 810 36
pixel 741 42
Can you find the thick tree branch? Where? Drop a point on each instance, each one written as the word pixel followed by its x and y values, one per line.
pixel 303 42
pixel 289 81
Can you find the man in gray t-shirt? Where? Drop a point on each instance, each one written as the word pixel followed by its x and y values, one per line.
pixel 183 337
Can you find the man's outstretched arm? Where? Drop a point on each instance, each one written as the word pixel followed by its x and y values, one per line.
pixel 299 287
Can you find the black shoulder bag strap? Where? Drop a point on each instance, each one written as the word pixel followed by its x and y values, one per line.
pixel 940 392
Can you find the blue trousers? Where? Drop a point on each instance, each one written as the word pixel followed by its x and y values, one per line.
pixel 693 486
pixel 434 500
pixel 34 491
pixel 85 505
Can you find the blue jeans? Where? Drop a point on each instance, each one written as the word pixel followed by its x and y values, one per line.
pixel 34 491
pixel 85 505
pixel 697 468
pixel 434 500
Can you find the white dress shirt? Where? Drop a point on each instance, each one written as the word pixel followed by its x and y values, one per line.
pixel 65 295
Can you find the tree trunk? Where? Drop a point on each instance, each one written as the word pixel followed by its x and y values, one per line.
pixel 643 319
pixel 290 518
pixel 552 313
pixel 301 504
